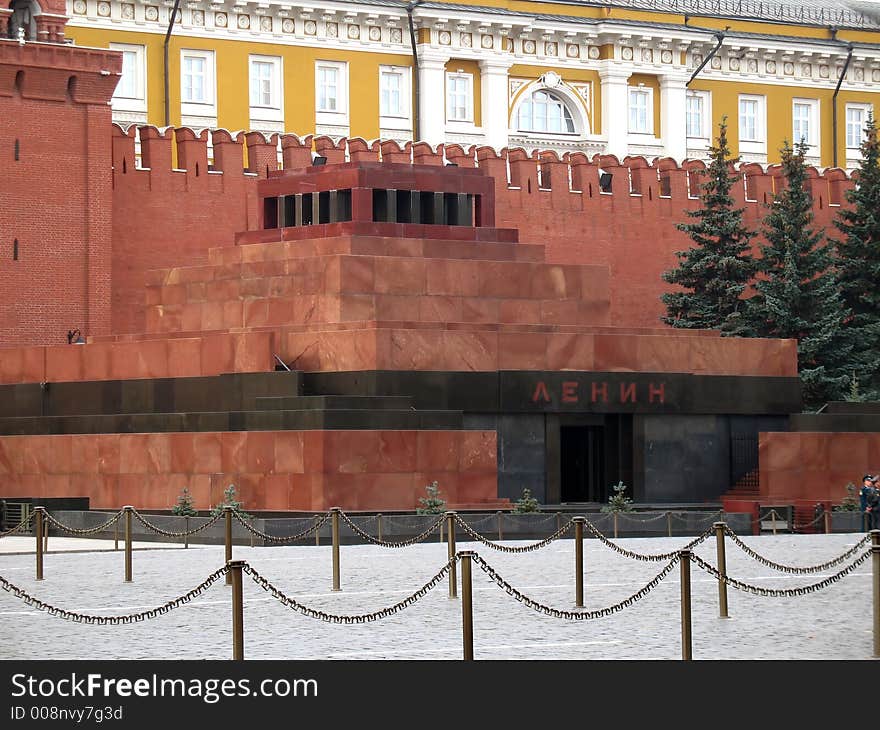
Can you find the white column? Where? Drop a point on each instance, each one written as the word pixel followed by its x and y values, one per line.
pixel 673 114
pixel 432 97
pixel 495 101
pixel 615 109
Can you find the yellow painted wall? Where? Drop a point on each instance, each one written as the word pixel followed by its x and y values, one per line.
pixel 469 67
pixel 231 59
pixel 650 82
pixel 725 101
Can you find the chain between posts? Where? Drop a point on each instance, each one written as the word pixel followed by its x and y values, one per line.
pixel 292 603
pixel 645 557
pixel 386 543
pixel 781 592
pixel 641 521
pixel 89 531
pixel 794 569
pixel 289 538
pixel 506 548
pixel 84 618
pixel 167 533
pixel 573 615
pixel 20 526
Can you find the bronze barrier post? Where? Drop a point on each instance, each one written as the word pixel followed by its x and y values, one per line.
pixel 186 531
pixel 379 516
pixel 669 524
pixel 875 559
pixel 335 532
pixel 827 515
pixel 615 525
pixel 227 513
pixel 467 606
pixel 579 561
pixel 500 535
pixel 116 534
pixel 38 531
pixel 318 537
pixel 559 520
pixel 722 569
pixel 235 570
pixel 450 542
pixel 685 558
pixel 128 510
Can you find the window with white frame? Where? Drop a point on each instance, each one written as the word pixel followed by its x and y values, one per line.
pixel 459 97
pixel 331 97
pixel 698 114
pixel 752 124
pixel 641 110
pixel 856 119
pixel 129 101
pixel 805 123
pixel 265 91
pixel 198 98
pixel 394 98
pixel 544 111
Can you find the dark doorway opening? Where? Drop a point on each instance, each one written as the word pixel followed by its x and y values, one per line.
pixel 583 464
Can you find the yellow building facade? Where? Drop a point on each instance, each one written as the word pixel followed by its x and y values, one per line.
pixel 621 77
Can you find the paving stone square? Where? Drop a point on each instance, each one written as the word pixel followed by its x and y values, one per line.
pixel 833 623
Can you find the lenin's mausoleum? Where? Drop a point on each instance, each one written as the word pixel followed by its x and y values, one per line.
pixel 344 334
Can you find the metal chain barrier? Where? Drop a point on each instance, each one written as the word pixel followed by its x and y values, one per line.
pixel 150 526
pixel 714 517
pixel 289 538
pixel 506 548
pixel 20 526
pixel 402 543
pixel 781 592
pixel 790 568
pixel 484 521
pixel 348 619
pixel 574 615
pixel 647 557
pixel 85 618
pixel 89 531
pixel 815 521
pixel 637 521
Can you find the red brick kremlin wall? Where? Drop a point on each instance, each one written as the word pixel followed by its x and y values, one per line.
pixel 170 217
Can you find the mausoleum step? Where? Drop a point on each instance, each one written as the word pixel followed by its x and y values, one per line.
pixel 288 420
pixel 334 402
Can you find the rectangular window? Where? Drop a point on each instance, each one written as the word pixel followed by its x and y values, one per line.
pixel 805 121
pixel 129 101
pixel 748 120
pixel 698 113
pixel 641 111
pixel 391 92
pixel 328 99
pixel 856 118
pixel 459 97
pixel 195 79
pixel 266 109
pixel 331 98
pixel 198 96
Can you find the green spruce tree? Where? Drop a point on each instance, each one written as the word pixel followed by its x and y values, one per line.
pixel 858 257
pixel 715 271
pixel 797 295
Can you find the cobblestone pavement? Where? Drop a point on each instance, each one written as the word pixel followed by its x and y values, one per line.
pixel 834 623
pixel 23 545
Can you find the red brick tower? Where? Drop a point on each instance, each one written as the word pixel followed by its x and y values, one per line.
pixel 55 156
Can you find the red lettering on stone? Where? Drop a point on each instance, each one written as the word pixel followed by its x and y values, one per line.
pixel 596 391
pixel 569 391
pixel 541 393
pixel 659 391
pixel 627 393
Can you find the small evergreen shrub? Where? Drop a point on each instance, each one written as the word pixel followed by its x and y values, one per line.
pixel 618 502
pixel 526 503
pixel 850 502
pixel 433 503
pixel 229 500
pixel 184 506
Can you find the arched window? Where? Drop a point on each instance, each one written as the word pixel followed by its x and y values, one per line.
pixel 544 111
